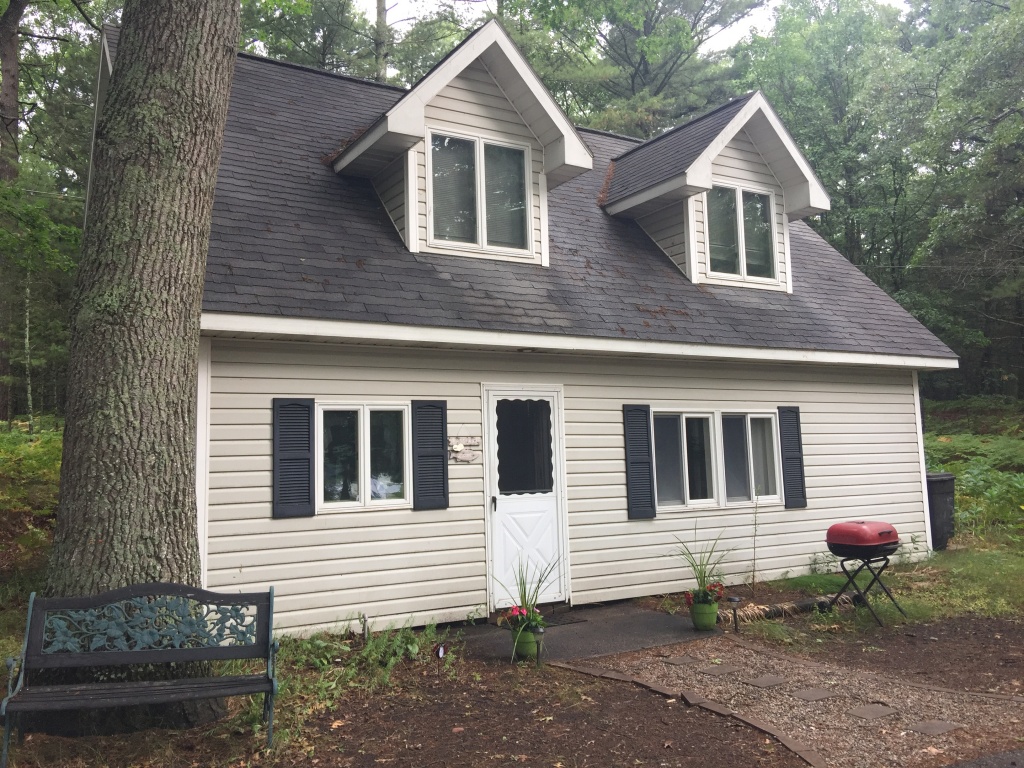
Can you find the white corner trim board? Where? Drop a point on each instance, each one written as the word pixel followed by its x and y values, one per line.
pixel 264 326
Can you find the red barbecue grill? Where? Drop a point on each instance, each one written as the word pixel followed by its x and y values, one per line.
pixel 870 543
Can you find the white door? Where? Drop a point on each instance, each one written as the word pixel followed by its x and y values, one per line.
pixel 525 501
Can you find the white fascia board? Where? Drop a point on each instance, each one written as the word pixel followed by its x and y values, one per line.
pixel 667 187
pixel 809 196
pixel 360 145
pixel 228 324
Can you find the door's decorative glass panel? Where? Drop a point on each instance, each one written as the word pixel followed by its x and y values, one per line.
pixel 341 456
pixel 722 231
pixel 757 235
pixel 453 166
pixel 734 445
pixel 668 459
pixel 506 199
pixel 762 448
pixel 524 446
pixel 387 455
pixel 699 458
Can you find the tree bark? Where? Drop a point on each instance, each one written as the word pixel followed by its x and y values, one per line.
pixel 127 511
pixel 381 49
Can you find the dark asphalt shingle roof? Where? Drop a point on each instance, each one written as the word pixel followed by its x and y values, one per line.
pixel 291 238
pixel 669 154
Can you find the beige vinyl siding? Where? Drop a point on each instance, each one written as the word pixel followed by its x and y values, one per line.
pixel 473 105
pixel 390 187
pixel 740 165
pixel 396 565
pixel 667 228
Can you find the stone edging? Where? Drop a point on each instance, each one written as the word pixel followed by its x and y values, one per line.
pixel 808 664
pixel 693 699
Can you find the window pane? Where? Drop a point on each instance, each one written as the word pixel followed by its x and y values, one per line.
pixel 698 458
pixel 734 445
pixel 722 232
pixel 762 449
pixel 505 186
pixel 453 165
pixel 341 456
pixel 387 455
pixel 524 446
pixel 757 235
pixel 668 459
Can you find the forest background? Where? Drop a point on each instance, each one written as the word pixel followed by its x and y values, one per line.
pixel 912 116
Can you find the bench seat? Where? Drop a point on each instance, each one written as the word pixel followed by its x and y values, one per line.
pixel 41 698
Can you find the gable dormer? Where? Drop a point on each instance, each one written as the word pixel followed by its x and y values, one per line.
pixel 717 194
pixel 464 160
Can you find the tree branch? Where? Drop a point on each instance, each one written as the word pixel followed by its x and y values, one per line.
pixel 85 16
pixel 26 33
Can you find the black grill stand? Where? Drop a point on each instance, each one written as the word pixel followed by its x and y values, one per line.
pixel 876 579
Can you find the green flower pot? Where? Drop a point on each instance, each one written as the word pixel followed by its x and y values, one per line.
pixel 525 645
pixel 704 616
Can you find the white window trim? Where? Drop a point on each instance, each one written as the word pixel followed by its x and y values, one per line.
pixel 720 500
pixel 775 498
pixel 364 503
pixel 480 247
pixel 743 277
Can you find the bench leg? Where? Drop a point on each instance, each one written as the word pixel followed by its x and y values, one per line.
pixel 268 718
pixel 8 724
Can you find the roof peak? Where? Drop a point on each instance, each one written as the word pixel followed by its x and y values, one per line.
pixel 737 102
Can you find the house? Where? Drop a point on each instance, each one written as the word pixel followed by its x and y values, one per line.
pixel 444 329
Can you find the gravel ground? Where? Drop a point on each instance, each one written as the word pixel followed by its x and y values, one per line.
pixel 843 740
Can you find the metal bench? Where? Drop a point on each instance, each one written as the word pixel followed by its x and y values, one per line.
pixel 143 624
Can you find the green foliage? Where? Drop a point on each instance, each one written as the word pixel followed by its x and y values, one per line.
pixel 981 441
pixel 704 564
pixel 29 471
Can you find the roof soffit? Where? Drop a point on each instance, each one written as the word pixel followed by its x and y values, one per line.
pixel 805 195
pixel 565 153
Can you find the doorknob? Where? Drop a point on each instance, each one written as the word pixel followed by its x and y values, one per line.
pixel 494 503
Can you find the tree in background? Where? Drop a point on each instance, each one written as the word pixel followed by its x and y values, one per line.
pixel 127 510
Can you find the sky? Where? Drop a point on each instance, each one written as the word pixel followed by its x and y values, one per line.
pixel 399 10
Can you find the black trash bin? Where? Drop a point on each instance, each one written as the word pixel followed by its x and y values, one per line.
pixel 940 507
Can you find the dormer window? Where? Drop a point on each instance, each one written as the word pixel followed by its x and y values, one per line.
pixel 459 168
pixel 740 233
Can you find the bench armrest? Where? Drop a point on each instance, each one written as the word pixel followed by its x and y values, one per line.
pixel 14 686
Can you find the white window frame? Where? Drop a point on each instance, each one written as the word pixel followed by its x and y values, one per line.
pixel 741 235
pixel 720 499
pixel 480 246
pixel 713 427
pixel 775 498
pixel 364 502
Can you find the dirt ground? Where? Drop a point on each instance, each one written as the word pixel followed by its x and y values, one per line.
pixel 965 653
pixel 498 714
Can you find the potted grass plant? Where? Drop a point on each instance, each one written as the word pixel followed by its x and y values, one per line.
pixel 524 617
pixel 704 564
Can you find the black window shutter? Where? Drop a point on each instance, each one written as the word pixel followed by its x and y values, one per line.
pixel 793 483
pixel 294 447
pixel 429 454
pixel 636 421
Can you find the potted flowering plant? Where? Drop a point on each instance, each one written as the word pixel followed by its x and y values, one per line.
pixel 703 600
pixel 524 617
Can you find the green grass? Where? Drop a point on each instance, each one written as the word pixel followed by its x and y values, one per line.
pixel 29 471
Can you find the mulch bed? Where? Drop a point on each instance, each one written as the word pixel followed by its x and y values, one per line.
pixel 496 714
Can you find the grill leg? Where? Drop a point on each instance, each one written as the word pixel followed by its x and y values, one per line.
pixel 878 580
pixel 851 581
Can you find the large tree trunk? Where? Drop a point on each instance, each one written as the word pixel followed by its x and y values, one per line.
pixel 127 511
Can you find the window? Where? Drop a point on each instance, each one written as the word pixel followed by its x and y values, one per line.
pixel 692 450
pixel 683 459
pixel 363 455
pixel 459 169
pixel 740 222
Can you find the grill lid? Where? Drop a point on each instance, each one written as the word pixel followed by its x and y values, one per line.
pixel 862 533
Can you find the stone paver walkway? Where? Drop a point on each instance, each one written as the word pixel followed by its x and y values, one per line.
pixel 832 716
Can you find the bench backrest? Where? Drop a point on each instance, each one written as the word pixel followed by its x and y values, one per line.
pixel 148 624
